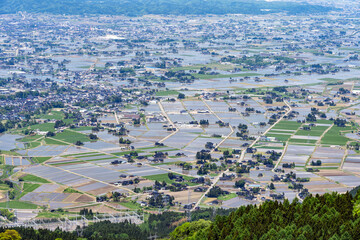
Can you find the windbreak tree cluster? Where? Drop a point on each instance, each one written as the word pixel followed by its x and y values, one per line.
pixel 330 216
pixel 118 231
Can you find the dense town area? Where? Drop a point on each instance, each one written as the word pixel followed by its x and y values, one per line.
pixel 155 113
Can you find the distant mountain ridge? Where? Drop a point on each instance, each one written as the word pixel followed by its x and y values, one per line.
pixel 164 7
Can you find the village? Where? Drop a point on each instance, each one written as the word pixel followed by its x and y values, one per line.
pixel 175 114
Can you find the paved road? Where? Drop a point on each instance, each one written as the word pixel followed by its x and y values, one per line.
pixel 242 155
pixel 231 128
pixel 169 120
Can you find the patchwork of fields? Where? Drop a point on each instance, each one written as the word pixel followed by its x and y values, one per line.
pixel 59 173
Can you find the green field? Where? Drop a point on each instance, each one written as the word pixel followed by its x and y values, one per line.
pixel 28 187
pixel 40 159
pixel 280 137
pixel 208 76
pixel 46 127
pixel 18 205
pixel 71 136
pixel 268 147
pixel 315 131
pixel 167 93
pixel 4 187
pixel 70 190
pixel 218 66
pixel 227 197
pixel 164 164
pixel 82 129
pixel 333 136
pixel 164 177
pixel 281 131
pixel 50 215
pixel 323 121
pixel 69 120
pixel 287 132
pixel 33 145
pixel 287 125
pixel 33 178
pixel 337 80
pixel 126 152
pixel 30 138
pixel 330 79
pixel 131 205
pixel 53 115
pixel 165 150
pixel 309 141
pixel 80 154
pixel 50 141
pixel 90 155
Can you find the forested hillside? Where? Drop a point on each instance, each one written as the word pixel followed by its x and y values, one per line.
pixel 141 7
pixel 331 216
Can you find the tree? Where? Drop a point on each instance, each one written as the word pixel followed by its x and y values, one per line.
pixel 328 214
pixel 171 176
pixel 2 128
pixel 50 134
pixel 209 145
pixel 311 117
pixel 239 184
pixel 124 141
pixel 215 192
pixel 190 230
pixel 59 123
pixel 93 136
pixel 204 122
pixel 317 163
pixel 181 96
pixel 10 235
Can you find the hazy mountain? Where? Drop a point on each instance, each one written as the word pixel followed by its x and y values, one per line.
pixel 141 7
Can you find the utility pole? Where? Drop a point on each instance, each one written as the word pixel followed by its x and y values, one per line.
pixel 153 237
pixel 7 200
pixel 188 210
pixel 214 213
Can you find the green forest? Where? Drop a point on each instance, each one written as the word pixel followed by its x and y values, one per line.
pixel 330 216
pixel 142 7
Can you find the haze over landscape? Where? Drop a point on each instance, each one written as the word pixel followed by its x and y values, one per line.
pixel 193 119
pixel 143 7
